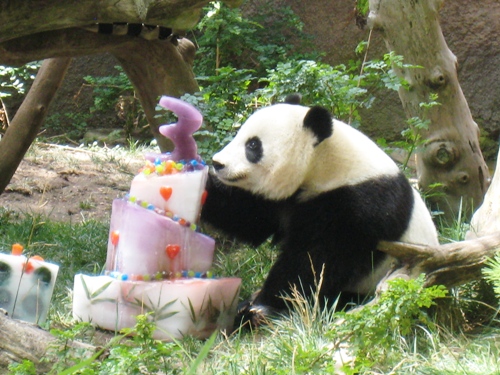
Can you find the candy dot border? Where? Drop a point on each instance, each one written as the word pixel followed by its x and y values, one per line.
pixel 159 211
pixel 161 276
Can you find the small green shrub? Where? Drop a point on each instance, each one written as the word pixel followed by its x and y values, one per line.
pixel 374 332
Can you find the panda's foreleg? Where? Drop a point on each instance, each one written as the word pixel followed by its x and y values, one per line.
pixel 291 271
pixel 236 212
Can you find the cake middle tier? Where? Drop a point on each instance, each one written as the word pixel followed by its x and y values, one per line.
pixel 143 242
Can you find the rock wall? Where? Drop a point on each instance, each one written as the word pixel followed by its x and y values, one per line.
pixel 471 29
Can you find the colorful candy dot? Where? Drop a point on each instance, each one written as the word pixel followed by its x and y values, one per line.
pixel 158 276
pixel 37 257
pixel 28 267
pixel 184 273
pixel 209 274
pixel 192 226
pixel 177 275
pixel 124 277
pixel 198 275
pixel 17 249
pixel 146 277
pixel 190 273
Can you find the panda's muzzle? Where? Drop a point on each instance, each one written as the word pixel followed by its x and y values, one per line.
pixel 222 175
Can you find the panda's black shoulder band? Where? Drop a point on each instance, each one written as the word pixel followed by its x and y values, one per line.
pixel 319 121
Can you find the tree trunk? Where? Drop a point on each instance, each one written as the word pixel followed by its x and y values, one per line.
pixel 486 219
pixel 30 116
pixel 451 155
pixel 157 68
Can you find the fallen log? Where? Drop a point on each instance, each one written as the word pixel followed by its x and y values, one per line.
pixel 26 341
pixel 450 264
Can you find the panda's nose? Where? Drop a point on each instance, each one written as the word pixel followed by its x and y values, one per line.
pixel 217 166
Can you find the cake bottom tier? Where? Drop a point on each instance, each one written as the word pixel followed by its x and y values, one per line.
pixel 195 307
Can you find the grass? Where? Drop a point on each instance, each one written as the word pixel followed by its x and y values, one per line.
pixel 307 341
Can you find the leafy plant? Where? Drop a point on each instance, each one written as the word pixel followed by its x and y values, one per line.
pixel 223 101
pixel 13 80
pixel 116 93
pixel 374 330
pixel 492 273
pixel 257 41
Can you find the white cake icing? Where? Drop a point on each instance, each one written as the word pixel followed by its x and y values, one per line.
pixel 186 192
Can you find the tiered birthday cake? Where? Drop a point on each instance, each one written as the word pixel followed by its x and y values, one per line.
pixel 157 260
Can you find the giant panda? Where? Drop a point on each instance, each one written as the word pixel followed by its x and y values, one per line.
pixel 326 194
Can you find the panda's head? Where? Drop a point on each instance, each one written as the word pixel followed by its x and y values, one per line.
pixel 273 151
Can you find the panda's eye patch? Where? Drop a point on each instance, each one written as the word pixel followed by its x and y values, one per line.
pixel 253 150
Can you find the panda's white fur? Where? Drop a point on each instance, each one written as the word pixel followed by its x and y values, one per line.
pixel 292 162
pixel 300 166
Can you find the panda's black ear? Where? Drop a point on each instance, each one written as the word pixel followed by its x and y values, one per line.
pixel 319 121
pixel 293 98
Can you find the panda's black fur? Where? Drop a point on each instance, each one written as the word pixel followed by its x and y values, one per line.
pixel 338 230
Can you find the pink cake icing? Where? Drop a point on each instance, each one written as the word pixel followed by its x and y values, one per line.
pixel 157 260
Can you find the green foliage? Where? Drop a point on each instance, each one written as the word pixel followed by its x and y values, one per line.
pixel 132 352
pixel 116 93
pixel 223 101
pixel 413 137
pixel 227 99
pixel 26 367
pixel 108 88
pixel 363 7
pixel 259 41
pixel 335 88
pixel 376 329
pixel 55 123
pixel 13 81
pixel 492 273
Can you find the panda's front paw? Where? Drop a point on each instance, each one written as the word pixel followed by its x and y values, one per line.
pixel 252 316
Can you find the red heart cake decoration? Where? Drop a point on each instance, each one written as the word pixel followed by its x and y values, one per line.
pixel 166 192
pixel 204 197
pixel 115 237
pixel 173 250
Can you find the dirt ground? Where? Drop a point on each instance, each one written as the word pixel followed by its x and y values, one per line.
pixel 70 184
